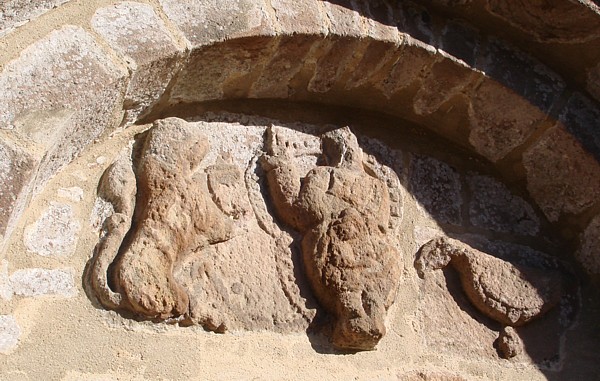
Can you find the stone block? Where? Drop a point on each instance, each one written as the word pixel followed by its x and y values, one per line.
pixel 437 188
pixel 375 56
pixel 55 233
pixel 39 282
pixel 377 20
pixel 343 19
pixel 142 39
pixel 556 21
pixel 581 117
pixel 562 177
pixel 9 333
pixel 339 58
pixel 64 72
pixel 222 71
pixel 494 207
pixel 446 79
pixel 300 16
pixel 412 61
pixel 589 252
pixel 17 170
pixel 15 13
pixel 522 74
pixel 206 21
pixel 289 58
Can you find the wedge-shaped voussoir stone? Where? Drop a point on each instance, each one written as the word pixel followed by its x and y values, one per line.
pixel 136 32
pixel 17 12
pixel 66 70
pixel 205 21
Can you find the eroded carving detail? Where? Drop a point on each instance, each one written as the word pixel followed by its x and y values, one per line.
pixel 173 216
pixel 510 294
pixel 343 214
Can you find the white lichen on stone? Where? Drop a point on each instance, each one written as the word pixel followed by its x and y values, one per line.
pixel 72 193
pixel 55 234
pixel 39 282
pixel 9 333
pixel 101 211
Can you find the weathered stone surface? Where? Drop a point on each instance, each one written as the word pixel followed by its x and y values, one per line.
pixel 15 13
pixel 5 286
pixel 74 194
pixel 179 216
pixel 300 16
pixel 500 121
pixel 412 62
pixel 55 234
pixel 510 294
pixel 142 39
pixel 17 168
pixel 593 82
pixel 342 213
pixel 414 20
pixel 206 21
pixel 289 58
pixel 339 57
pixel 437 188
pixel 494 207
pixel 509 343
pixel 430 376
pixel 9 333
pixel 39 282
pixel 343 20
pixel 374 58
pixel 66 70
pixel 377 20
pixel 483 291
pixel 556 21
pixel 589 252
pixel 445 79
pixel 223 71
pixel 561 176
pixel 580 117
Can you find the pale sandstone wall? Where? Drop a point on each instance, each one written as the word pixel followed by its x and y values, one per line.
pixel 520 93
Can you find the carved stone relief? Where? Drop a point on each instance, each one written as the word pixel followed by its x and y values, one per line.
pixel 246 224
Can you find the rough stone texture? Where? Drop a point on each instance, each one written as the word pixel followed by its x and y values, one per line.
pixel 287 61
pixel 445 79
pixel 342 21
pixel 342 213
pixel 561 176
pixel 339 57
pixel 509 343
pixel 580 117
pixel 74 194
pixel 500 121
pixel 524 288
pixel 589 252
pixel 374 58
pixel 66 70
pixel 55 234
pixel 437 188
pixel 593 82
pixel 40 282
pixel 142 39
pixel 494 207
pixel 300 16
pixel 223 71
pixel 512 295
pixel 15 13
pixel 411 63
pixel 178 216
pixel 9 333
pixel 16 171
pixel 428 375
pixel 555 21
pixel 206 21
pixel 5 286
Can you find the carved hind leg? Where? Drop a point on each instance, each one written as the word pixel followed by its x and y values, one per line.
pixel 145 276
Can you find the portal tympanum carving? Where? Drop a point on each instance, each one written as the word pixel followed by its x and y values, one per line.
pixel 343 214
pixel 163 211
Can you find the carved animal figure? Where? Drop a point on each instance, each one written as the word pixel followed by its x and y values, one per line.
pixel 163 212
pixel 343 214
pixel 510 294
